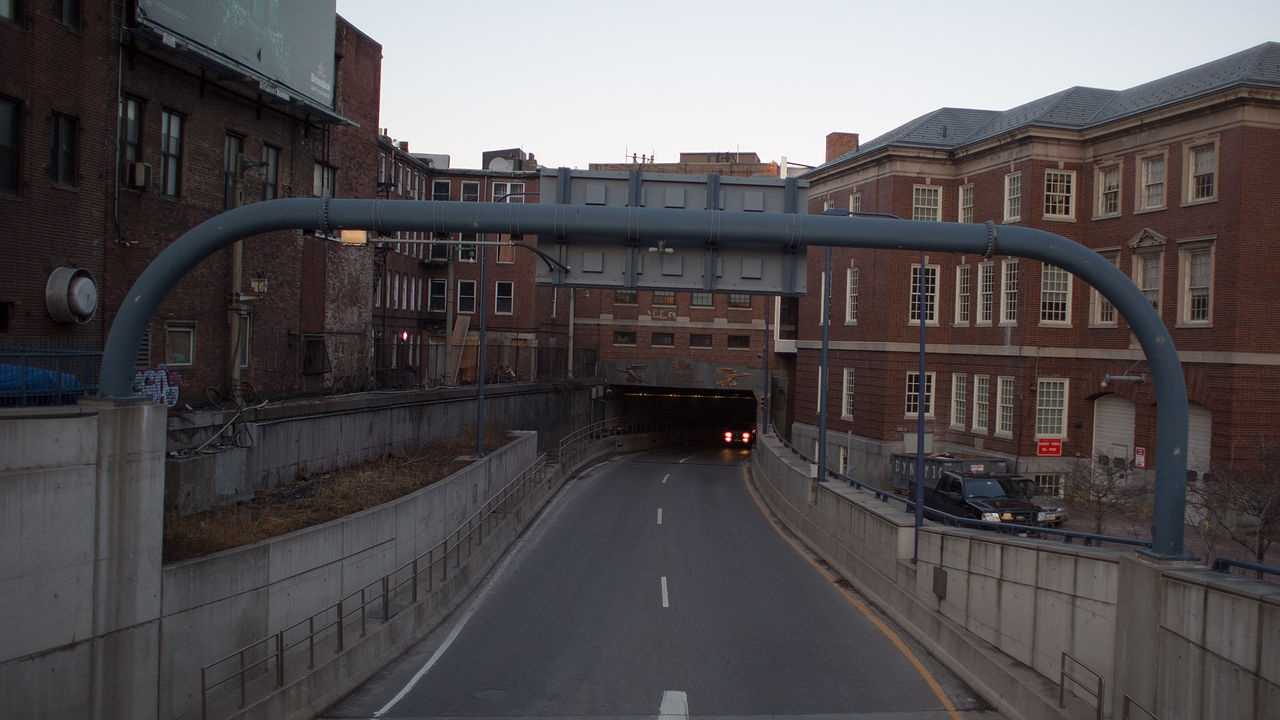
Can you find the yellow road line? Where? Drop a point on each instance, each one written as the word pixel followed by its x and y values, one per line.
pixel 853 600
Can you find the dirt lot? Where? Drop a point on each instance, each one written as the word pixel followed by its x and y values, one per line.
pixel 313 500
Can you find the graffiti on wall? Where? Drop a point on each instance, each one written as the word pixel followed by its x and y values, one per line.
pixel 159 384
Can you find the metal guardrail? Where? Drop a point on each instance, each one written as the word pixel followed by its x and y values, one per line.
pixel 1224 565
pixel 1130 702
pixel 1096 692
pixel 574 445
pixel 1067 536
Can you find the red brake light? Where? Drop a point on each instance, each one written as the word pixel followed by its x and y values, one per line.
pixel 746 436
pixel 728 437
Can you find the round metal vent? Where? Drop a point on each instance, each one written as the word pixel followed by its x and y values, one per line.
pixel 71 295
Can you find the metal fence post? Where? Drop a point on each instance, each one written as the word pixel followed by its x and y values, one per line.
pixel 340 623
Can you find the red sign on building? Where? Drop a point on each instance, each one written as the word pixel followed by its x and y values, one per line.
pixel 1049 447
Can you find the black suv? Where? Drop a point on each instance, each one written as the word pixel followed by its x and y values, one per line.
pixel 990 498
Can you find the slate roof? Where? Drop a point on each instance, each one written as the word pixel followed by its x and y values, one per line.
pixel 1079 108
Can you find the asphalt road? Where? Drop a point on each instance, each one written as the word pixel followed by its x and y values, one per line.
pixel 654 586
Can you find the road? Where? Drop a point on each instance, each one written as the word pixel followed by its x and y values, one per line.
pixel 654 586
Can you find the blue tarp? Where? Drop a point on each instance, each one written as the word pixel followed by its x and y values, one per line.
pixel 30 385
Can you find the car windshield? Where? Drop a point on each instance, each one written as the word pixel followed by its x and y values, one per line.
pixel 984 488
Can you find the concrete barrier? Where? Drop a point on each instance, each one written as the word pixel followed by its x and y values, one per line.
pixel 1001 611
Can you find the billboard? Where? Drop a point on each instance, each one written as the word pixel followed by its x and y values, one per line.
pixel 289 42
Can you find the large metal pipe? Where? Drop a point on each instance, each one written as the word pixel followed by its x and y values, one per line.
pixel 693 229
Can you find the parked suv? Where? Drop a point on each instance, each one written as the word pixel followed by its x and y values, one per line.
pixel 982 488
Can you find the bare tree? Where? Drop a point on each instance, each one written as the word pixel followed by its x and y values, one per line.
pixel 1102 489
pixel 1242 504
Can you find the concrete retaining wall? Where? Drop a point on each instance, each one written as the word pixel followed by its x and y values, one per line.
pixel 1000 611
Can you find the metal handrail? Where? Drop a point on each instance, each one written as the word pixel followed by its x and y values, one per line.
pixel 1130 702
pixel 1224 565
pixel 1067 536
pixel 1098 691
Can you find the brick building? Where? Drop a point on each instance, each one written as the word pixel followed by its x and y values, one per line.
pixel 1173 180
pixel 732 164
pixel 126 136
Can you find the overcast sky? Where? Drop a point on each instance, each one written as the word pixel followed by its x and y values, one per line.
pixel 579 82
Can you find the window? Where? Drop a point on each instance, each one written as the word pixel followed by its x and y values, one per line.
pixel 506 251
pixel 846 395
pixel 959 400
pixel 986 292
pixel 555 300
pixel 244 336
pixel 700 299
pixel 69 13
pixel 1013 197
pixel 503 297
pixel 439 290
pixel 926 203
pixel 851 280
pixel 62 149
pixel 624 337
pixel 1196 268
pixel 440 190
pixel 323 178
pixel 467 250
pixel 664 297
pixel 1101 309
pixel 393 301
pixel 662 339
pixel 855 202
pixel 466 296
pixel 700 341
pixel 511 192
pixel 1051 407
pixel 964 290
pixel 377 291
pixel 1107 180
pixel 913 394
pixel 10 140
pixel 179 343
pixel 739 342
pixel 1202 178
pixel 1151 182
pixel 440 247
pixel 232 150
pixel 930 279
pixel 981 403
pixel 1009 298
pixel 470 192
pixel 9 9
pixel 130 137
pixel 1049 484
pixel 171 152
pixel 270 172
pixel 1006 406
pixel 843 461
pixel 1059 194
pixel 739 300
pixel 966 203
pixel 624 297
pixel 1055 294
pixel 1146 269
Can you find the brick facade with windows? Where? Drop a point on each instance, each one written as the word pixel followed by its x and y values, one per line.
pixel 1074 163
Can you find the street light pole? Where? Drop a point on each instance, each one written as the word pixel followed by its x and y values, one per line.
pixel 824 372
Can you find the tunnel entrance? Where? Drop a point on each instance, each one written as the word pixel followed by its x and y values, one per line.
pixel 699 417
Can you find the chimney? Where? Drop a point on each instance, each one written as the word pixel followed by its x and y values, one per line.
pixel 404 145
pixel 839 143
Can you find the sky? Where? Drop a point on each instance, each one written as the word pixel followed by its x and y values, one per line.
pixel 580 82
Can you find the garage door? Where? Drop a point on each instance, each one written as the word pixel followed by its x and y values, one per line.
pixel 1113 427
pixel 1199 439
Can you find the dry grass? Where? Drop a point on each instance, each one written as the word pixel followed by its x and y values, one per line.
pixel 314 500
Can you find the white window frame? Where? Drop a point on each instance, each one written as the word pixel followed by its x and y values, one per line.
pixel 506 245
pixel 1070 215
pixel 963 301
pixel 1099 200
pixel 1185 251
pixel 448 189
pixel 1049 484
pixel 1061 431
pixel 852 279
pixel 931 318
pixel 855 202
pixel 468 245
pixel 846 394
pixel 462 195
pixel 981 420
pixel 931 389
pixel 935 213
pixel 1097 302
pixel 458 301
pixel 987 284
pixel 1009 303
pixel 964 203
pixel 1140 187
pixel 1045 270
pixel 1009 186
pixel 1005 387
pixel 1189 180
pixel 181 327
pixel 497 295
pixel 959 400
pixel 1139 274
pixel 444 296
pixel 508 187
pixel 842 459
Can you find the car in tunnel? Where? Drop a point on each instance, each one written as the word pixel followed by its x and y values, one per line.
pixel 738 437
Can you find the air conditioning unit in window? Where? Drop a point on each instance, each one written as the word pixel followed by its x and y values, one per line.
pixel 140 175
